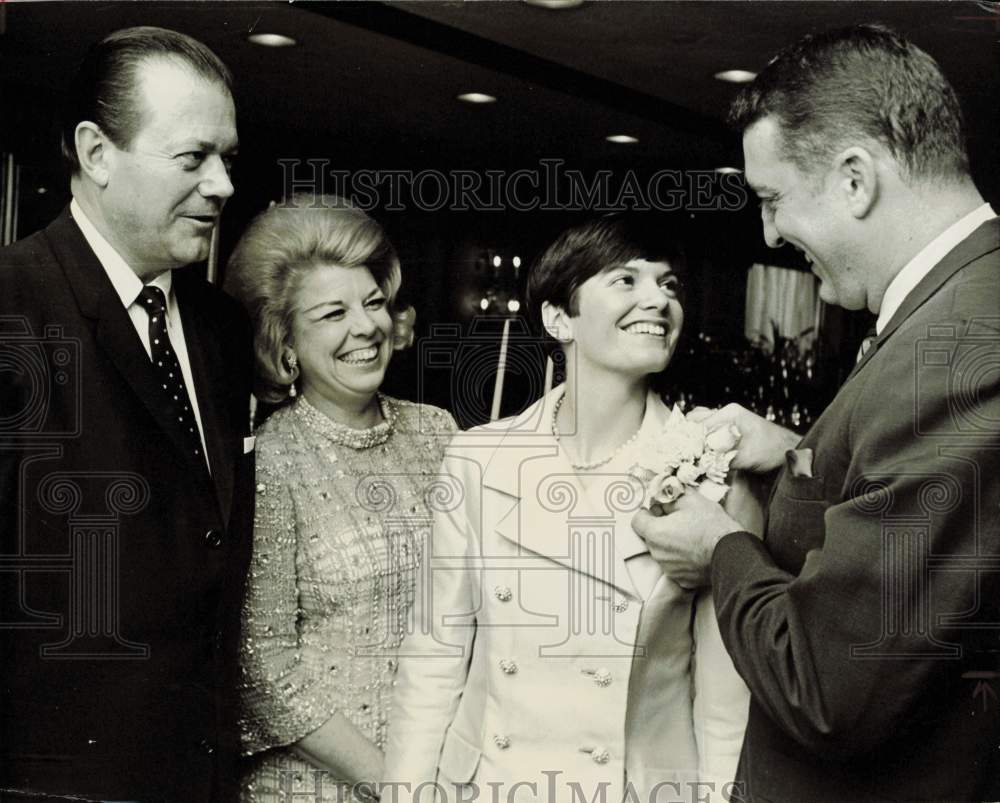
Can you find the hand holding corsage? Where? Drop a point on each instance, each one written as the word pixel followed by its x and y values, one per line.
pixel 681 529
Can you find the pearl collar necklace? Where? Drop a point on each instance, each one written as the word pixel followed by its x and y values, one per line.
pixel 344 435
pixel 596 463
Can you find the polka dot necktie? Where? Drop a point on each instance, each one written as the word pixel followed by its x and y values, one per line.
pixel 167 367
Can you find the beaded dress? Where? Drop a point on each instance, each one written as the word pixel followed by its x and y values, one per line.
pixel 340 516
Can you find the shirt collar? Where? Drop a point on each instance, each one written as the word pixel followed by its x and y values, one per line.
pixel 125 281
pixel 930 255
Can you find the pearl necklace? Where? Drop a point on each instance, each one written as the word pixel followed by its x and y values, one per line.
pixel 596 463
pixel 359 439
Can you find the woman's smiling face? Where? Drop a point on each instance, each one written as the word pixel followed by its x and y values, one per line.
pixel 630 318
pixel 342 335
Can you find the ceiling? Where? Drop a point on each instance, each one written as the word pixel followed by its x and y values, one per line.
pixel 376 83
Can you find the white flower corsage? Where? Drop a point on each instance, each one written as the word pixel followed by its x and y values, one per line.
pixel 685 455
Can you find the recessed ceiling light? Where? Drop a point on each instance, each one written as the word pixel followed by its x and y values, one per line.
pixel 727 171
pixel 555 4
pixel 736 76
pixel 272 40
pixel 477 97
pixel 622 139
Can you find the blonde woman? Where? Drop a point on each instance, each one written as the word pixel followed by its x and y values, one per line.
pixel 342 471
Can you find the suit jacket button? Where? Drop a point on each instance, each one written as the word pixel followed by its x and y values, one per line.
pixel 503 593
pixel 501 741
pixel 213 539
pixel 508 666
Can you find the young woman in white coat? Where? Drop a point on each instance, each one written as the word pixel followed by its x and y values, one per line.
pixel 549 658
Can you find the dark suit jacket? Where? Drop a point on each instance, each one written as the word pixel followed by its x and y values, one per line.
pixel 866 623
pixel 122 560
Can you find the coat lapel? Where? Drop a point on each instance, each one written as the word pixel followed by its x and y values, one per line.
pixel 208 369
pixel 981 241
pixel 537 503
pixel 114 332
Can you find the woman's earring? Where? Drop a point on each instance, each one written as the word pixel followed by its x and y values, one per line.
pixel 293 368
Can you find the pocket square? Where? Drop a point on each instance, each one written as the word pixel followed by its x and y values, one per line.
pixel 248 444
pixel 799 462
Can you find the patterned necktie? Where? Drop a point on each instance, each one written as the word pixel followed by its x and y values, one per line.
pixel 167 367
pixel 866 344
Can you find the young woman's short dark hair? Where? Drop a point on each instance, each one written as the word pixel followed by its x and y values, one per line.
pixel 596 245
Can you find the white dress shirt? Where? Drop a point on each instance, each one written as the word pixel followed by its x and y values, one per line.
pixel 932 253
pixel 128 286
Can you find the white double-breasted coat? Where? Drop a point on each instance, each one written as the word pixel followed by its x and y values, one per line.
pixel 549 659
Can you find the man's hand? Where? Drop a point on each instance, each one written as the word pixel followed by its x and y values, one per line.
pixel 762 444
pixel 683 538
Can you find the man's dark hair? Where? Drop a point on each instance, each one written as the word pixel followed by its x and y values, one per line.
pixel 104 90
pixel 596 245
pixel 866 80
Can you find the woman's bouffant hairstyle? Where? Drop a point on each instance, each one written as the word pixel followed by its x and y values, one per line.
pixel 596 245
pixel 281 246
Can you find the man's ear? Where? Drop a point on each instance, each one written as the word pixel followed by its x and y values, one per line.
pixel 92 151
pixel 557 323
pixel 856 174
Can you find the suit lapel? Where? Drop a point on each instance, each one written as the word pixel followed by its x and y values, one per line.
pixel 114 332
pixel 208 369
pixel 980 242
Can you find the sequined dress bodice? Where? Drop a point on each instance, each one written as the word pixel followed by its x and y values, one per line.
pixel 340 515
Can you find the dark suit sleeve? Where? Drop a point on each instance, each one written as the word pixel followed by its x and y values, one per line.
pixel 845 654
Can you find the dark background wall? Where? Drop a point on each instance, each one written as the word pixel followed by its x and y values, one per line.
pixel 371 87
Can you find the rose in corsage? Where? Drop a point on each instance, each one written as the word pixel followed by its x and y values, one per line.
pixel 663 489
pixel 685 455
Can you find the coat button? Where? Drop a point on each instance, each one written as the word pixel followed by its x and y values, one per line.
pixel 503 593
pixel 508 667
pixel 600 755
pixel 602 677
pixel 501 741
pixel 213 539
pixel 621 605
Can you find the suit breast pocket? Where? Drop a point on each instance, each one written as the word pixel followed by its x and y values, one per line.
pixel 796 520
pixel 800 488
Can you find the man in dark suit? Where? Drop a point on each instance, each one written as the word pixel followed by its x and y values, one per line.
pixel 865 623
pixel 125 467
